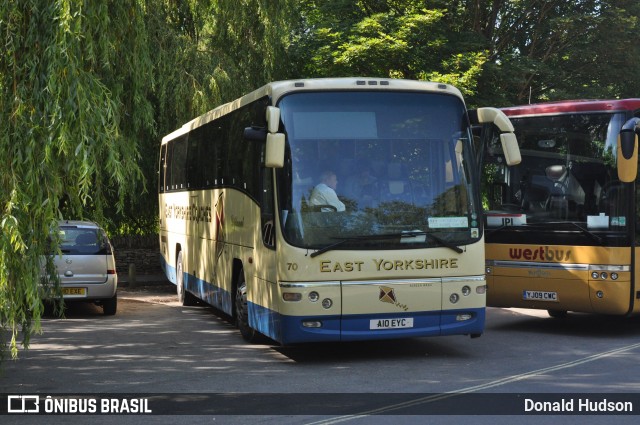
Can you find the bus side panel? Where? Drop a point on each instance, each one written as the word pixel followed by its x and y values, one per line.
pixel 173 231
pixel 561 270
pixel 610 297
pixel 263 319
pixel 507 286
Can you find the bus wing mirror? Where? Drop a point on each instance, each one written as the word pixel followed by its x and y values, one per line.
pixel 274 155
pixel 273 119
pixel 495 116
pixel 507 138
pixel 627 156
pixel 510 149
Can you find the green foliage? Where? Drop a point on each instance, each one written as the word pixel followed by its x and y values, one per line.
pixel 551 50
pixel 70 112
pixel 497 52
pixel 88 88
pixel 397 39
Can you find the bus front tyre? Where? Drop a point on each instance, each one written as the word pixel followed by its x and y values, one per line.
pixel 242 311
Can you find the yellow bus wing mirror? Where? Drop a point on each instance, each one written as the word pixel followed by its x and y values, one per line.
pixel 274 155
pixel 510 149
pixel 627 156
pixel 495 116
pixel 509 142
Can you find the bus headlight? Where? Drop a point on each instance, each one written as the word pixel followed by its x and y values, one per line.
pixel 327 303
pixel 291 296
pixel 454 298
pixel 603 275
pixel 614 276
pixel 594 275
pixel 314 296
pixel 466 290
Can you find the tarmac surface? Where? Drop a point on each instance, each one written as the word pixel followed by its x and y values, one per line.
pixel 149 288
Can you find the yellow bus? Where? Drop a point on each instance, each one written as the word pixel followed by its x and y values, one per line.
pixel 561 226
pixel 330 210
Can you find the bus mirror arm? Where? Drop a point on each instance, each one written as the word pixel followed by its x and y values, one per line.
pixel 255 134
pixel 627 153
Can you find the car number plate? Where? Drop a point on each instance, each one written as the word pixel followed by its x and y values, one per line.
pixel 540 296
pixel 405 322
pixel 74 292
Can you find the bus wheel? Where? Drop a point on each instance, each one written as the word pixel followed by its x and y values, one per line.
pixel 557 314
pixel 184 297
pixel 242 311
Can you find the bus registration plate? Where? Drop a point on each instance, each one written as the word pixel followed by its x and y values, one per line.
pixel 404 322
pixel 540 296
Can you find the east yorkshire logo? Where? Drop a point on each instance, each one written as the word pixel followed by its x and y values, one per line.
pixel 388 295
pixel 543 253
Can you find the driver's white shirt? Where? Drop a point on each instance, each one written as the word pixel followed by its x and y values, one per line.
pixel 324 195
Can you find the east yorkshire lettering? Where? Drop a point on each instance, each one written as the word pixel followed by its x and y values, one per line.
pixel 328 266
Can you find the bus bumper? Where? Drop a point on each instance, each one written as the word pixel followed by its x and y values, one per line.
pixel 296 329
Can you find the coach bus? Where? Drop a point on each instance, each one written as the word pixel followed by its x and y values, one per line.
pixel 331 210
pixel 561 226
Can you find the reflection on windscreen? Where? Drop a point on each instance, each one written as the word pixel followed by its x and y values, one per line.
pixel 567 173
pixel 80 241
pixel 367 164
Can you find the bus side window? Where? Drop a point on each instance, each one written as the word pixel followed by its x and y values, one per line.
pixel 162 168
pixel 267 210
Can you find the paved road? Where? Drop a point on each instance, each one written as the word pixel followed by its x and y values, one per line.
pixel 153 345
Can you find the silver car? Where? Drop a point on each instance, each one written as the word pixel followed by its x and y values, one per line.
pixel 87 267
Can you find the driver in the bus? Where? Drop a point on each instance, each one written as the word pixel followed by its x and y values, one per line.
pixel 324 194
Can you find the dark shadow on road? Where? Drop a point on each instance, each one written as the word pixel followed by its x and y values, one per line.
pixel 574 324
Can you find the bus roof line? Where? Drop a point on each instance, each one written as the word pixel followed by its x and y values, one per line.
pixel 278 89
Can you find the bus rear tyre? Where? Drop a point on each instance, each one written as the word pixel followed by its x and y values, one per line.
pixel 557 314
pixel 184 297
pixel 242 311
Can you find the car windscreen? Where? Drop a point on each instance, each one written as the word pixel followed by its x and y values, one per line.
pixel 82 241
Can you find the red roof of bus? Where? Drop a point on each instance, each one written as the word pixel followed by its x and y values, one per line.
pixel 567 106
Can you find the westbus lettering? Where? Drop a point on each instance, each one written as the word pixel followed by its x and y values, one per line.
pixel 543 253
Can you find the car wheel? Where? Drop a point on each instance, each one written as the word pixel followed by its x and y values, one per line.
pixel 110 305
pixel 242 311
pixel 184 297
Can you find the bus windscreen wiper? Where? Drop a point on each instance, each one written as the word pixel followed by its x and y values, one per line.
pixel 411 234
pixel 439 240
